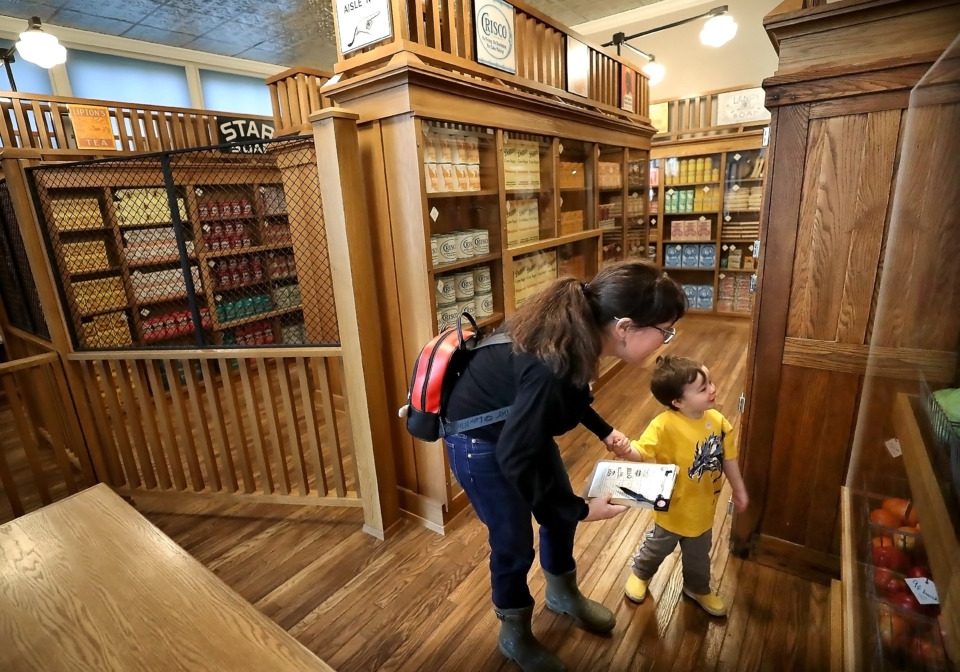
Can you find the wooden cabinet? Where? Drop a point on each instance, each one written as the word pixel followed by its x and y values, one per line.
pixel 559 192
pixel 836 158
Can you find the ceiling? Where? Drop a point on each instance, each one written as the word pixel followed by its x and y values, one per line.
pixel 282 32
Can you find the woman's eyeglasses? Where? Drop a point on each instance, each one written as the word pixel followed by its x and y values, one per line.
pixel 668 334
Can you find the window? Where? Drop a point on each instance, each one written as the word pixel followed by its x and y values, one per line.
pixel 127 80
pixel 235 93
pixel 30 78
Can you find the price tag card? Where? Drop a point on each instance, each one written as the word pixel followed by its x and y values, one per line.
pixel 924 590
pixel 736 157
pixel 893 447
pixel 434 213
pixel 727 218
pixel 736 187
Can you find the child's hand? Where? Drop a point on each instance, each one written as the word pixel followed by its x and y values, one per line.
pixel 740 500
pixel 617 442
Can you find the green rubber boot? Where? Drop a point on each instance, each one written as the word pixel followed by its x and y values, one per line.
pixel 517 642
pixel 564 597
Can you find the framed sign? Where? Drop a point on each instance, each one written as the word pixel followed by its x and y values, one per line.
pixel 496 39
pixel 362 22
pixel 578 67
pixel 92 127
pixel 660 117
pixel 628 89
pixel 740 107
pixel 240 129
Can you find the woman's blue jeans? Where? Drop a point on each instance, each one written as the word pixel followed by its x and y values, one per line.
pixel 508 519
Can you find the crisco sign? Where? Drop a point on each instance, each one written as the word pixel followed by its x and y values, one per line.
pixel 495 37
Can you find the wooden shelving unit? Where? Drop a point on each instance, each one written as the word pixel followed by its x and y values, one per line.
pixel 728 292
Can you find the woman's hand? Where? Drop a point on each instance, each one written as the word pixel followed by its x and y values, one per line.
pixel 618 443
pixel 601 508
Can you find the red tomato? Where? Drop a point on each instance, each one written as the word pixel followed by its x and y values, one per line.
pixel 906 600
pixel 890 558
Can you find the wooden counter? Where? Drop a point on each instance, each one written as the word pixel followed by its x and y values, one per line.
pixel 87 583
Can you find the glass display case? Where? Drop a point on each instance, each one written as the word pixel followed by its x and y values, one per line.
pixel 901 502
pixel 740 231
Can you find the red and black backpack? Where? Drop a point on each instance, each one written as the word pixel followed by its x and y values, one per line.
pixel 437 369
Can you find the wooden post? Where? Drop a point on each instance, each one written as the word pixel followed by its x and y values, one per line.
pixel 12 163
pixel 348 236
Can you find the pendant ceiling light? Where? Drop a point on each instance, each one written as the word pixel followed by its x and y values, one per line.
pixel 654 72
pixel 718 31
pixel 40 48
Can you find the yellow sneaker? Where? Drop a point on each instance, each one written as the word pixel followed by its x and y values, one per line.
pixel 711 603
pixel 636 589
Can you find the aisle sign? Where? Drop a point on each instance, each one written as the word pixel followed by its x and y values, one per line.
pixel 741 107
pixel 92 127
pixel 493 22
pixel 660 117
pixel 362 22
pixel 240 129
pixel 578 67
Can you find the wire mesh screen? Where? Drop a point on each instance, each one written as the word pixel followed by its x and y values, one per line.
pixel 230 238
pixel 17 288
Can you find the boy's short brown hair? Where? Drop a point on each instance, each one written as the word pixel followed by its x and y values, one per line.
pixel 672 375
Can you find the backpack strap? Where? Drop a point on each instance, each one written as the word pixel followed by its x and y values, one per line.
pixel 483 419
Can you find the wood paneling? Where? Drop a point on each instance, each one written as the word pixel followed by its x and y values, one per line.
pixel 896 363
pixel 815 417
pixel 849 164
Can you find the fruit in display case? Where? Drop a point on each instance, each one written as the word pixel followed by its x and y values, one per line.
pixel 927 655
pixel 889 557
pixel 902 509
pixel 884 518
pixel 888 582
pixel 893 631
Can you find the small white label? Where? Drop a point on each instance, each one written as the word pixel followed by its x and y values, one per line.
pixel 893 447
pixel 736 157
pixel 706 189
pixel 144 312
pixel 434 213
pixel 722 276
pixel 671 192
pixel 727 218
pixel 726 247
pixel 219 297
pixel 198 191
pixel 678 248
pixel 736 187
pixel 924 590
pixel 211 263
pixel 206 228
pixel 561 148
pixel 702 218
pixel 125 318
pixel 440 286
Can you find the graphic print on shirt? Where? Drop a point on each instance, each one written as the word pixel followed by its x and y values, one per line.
pixel 708 457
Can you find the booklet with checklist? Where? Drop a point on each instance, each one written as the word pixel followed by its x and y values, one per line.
pixel 641 484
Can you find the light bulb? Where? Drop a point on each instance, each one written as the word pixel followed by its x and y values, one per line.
pixel 718 30
pixel 654 72
pixel 40 48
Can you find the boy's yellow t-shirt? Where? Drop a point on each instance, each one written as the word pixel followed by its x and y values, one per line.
pixel 698 448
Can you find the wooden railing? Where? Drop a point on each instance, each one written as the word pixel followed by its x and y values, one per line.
pixel 446 27
pixel 258 424
pixel 31 121
pixel 42 454
pixel 696 116
pixel 440 33
pixel 295 95
pixel 20 344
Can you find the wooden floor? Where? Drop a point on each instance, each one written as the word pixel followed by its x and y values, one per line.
pixel 420 601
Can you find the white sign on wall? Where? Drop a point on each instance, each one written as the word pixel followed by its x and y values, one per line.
pixel 740 107
pixel 493 26
pixel 362 22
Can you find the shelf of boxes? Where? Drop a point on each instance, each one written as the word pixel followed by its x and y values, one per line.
pixel 451 161
pixel 532 273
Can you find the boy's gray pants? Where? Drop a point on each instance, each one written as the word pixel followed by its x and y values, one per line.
pixel 694 553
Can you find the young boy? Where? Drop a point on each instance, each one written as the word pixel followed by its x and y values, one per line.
pixel 698 440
